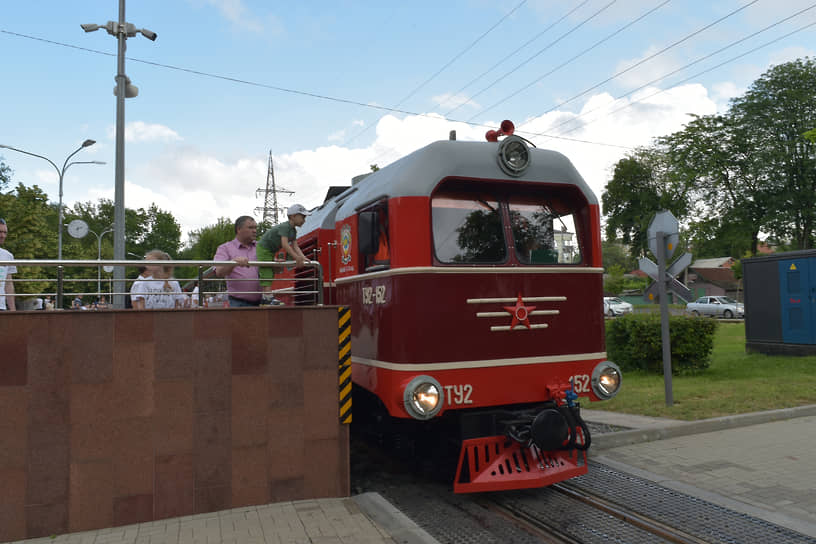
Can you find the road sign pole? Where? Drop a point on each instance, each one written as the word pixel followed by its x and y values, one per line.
pixel 664 315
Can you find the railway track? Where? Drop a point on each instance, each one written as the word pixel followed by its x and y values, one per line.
pixel 630 526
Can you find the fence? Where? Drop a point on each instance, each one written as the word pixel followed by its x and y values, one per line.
pixel 303 286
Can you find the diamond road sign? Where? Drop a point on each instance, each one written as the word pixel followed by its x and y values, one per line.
pixel 666 223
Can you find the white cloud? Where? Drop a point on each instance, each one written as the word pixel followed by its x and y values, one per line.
pixel 337 136
pixel 647 72
pixel 236 12
pixel 198 188
pixel 358 123
pixel 450 100
pixel 139 131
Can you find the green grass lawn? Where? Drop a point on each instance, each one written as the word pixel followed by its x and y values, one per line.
pixel 735 383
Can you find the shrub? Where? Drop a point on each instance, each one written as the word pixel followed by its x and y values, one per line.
pixel 634 342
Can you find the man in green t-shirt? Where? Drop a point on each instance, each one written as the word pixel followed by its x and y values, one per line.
pixel 280 237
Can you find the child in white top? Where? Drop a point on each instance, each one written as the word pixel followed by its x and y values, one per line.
pixel 149 292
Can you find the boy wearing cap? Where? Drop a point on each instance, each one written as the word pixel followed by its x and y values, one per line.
pixel 281 236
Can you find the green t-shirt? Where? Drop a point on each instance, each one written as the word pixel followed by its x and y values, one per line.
pixel 271 239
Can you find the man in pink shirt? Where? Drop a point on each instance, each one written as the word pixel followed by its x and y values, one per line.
pixel 243 287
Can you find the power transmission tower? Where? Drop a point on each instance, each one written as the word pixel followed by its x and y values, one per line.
pixel 269 211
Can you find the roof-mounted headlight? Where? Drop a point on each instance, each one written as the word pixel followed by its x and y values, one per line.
pixel 606 380
pixel 514 155
pixel 423 397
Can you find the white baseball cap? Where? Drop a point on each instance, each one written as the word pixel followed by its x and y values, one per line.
pixel 297 208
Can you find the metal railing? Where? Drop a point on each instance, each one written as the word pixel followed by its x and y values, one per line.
pixel 305 290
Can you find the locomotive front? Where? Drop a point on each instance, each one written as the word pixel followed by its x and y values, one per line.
pixel 481 318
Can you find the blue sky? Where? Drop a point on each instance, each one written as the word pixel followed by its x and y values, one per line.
pixel 198 145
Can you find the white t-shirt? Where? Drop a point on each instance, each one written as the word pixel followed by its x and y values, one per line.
pixel 5 271
pixel 156 294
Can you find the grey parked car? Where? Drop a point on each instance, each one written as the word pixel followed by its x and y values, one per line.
pixel 725 307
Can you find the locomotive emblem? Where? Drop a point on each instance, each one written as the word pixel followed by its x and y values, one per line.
pixel 520 313
pixel 345 243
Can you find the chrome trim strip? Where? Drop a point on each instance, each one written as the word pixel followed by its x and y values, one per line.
pixel 511 300
pixel 506 314
pixel 470 270
pixel 518 327
pixel 487 363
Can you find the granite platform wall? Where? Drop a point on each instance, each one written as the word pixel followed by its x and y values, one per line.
pixel 118 417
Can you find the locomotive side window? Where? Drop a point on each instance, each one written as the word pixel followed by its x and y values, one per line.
pixel 543 234
pixel 377 253
pixel 467 228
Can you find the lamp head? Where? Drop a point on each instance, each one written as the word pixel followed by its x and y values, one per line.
pixel 149 34
pixel 88 143
pixel 89 27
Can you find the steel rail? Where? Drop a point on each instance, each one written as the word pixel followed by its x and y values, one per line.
pixel 657 528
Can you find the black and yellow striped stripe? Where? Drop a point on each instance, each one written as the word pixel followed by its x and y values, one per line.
pixel 344 362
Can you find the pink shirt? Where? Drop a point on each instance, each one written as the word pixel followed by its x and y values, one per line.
pixel 242 278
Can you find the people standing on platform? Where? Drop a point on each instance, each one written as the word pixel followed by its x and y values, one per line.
pixel 281 237
pixel 156 290
pixel 7 301
pixel 243 287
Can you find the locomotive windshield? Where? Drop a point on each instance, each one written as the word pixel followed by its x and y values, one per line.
pixel 542 234
pixel 468 228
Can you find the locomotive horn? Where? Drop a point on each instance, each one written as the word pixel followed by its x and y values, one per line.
pixel 507 128
pixel 492 136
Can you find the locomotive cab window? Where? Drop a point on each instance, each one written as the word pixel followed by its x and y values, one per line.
pixel 467 228
pixel 375 244
pixel 543 232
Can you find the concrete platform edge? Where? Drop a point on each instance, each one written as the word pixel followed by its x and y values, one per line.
pixel 661 431
pixel 401 528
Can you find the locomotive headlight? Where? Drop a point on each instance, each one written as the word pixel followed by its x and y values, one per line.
pixel 606 380
pixel 423 397
pixel 514 155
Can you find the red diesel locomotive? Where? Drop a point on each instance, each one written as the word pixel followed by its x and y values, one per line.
pixel 473 273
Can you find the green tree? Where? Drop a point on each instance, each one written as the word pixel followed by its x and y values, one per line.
pixel 774 114
pixel 641 185
pixel 617 254
pixel 27 212
pixel 5 174
pixel 614 281
pixel 713 158
pixel 203 243
pixel 162 231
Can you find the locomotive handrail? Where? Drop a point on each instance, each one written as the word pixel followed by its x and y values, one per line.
pixel 203 277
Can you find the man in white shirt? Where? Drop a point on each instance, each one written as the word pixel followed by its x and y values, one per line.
pixel 6 283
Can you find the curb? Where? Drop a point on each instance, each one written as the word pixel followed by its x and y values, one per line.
pixel 402 529
pixel 662 432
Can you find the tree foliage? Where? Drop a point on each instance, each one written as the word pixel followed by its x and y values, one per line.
pixel 729 177
pixel 640 186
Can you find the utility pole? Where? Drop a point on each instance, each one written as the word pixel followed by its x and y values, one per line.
pixel 121 30
pixel 270 209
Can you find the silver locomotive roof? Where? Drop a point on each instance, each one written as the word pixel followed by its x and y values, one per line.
pixel 418 174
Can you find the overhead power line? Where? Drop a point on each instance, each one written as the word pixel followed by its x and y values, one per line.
pixel 650 57
pixel 447 64
pixel 286 90
pixel 698 74
pixel 539 52
pixel 697 61
pixel 513 52
pixel 582 53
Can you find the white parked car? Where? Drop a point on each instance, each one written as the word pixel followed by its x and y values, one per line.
pixel 614 306
pixel 725 307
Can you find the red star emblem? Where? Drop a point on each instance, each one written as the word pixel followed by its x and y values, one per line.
pixel 520 313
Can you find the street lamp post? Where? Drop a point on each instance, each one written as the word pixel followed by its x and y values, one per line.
pixel 61 174
pixel 122 31
pixel 99 258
